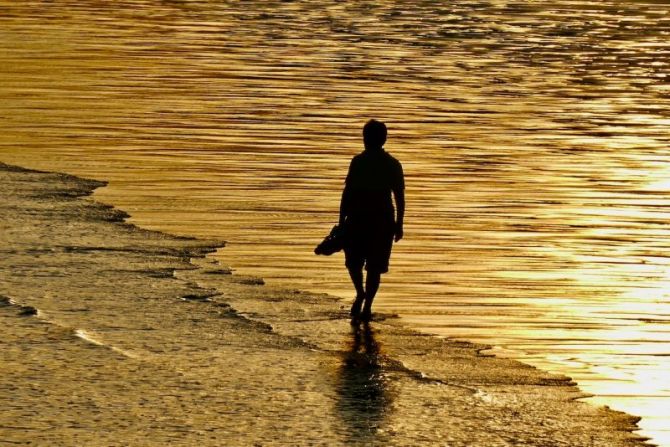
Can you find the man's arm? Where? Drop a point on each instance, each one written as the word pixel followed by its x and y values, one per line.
pixel 344 204
pixel 399 195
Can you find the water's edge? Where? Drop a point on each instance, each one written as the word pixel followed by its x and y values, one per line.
pixel 318 322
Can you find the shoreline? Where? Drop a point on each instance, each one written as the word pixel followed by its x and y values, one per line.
pixel 179 313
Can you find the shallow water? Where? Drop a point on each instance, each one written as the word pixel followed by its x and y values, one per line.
pixel 115 335
pixel 533 137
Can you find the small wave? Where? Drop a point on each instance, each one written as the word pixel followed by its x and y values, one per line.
pixel 24 311
pixel 87 336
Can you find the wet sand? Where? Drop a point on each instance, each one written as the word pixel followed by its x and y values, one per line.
pixel 114 335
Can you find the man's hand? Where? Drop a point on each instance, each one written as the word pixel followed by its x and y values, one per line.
pixel 398 231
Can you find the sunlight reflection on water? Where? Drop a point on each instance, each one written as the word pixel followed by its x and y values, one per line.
pixel 534 140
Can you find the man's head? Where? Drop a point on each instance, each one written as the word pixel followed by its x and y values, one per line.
pixel 374 134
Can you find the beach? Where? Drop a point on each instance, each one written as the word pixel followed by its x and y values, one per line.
pixel 115 335
pixel 533 136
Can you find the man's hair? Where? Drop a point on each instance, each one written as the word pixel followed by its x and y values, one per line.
pixel 374 134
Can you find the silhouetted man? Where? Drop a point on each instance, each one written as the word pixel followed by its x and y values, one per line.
pixel 367 213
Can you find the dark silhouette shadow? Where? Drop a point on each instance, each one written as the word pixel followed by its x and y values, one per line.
pixel 368 219
pixel 363 395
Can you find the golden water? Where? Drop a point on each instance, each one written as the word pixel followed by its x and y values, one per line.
pixel 534 138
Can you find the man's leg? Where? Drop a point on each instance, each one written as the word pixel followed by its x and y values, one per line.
pixel 357 279
pixel 371 286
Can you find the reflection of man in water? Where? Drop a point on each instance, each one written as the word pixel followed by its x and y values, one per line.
pixel 364 397
pixel 367 213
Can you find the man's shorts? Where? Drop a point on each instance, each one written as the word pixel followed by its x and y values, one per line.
pixel 369 247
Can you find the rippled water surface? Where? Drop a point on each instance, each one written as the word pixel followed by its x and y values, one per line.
pixel 534 137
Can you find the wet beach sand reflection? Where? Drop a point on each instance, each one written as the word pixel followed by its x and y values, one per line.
pixel 365 398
